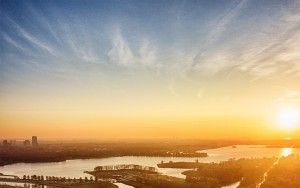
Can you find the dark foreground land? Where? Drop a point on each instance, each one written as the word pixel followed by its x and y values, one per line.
pixel 66 151
pixel 284 174
pixel 248 171
pixel 143 179
pixel 251 173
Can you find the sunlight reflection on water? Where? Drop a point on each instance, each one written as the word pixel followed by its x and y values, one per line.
pixel 286 152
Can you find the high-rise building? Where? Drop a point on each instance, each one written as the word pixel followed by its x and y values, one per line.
pixel 34 141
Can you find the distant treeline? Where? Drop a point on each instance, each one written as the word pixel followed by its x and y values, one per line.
pixel 125 167
pixel 62 152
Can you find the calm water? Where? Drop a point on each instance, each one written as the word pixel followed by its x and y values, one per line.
pixel 27 185
pixel 234 185
pixel 75 168
pixel 122 185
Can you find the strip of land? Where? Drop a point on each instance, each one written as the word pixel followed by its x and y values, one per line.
pixel 66 151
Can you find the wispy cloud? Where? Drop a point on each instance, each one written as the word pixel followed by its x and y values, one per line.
pixel 225 20
pixel 120 52
pixel 273 50
pixel 12 42
pixel 277 55
pixel 147 54
pixel 33 40
pixel 217 29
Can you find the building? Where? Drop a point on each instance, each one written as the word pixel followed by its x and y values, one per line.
pixel 26 142
pixel 34 141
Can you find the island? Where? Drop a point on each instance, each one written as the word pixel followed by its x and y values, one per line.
pixel 139 177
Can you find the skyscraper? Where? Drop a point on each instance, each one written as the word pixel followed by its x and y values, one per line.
pixel 34 141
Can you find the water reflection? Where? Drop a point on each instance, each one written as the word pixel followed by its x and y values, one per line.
pixel 122 185
pixel 234 185
pixel 286 152
pixel 25 185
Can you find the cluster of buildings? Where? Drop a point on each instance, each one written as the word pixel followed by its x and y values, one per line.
pixel 125 167
pixel 32 142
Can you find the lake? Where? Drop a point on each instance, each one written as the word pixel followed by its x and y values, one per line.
pixel 75 168
pixel 27 185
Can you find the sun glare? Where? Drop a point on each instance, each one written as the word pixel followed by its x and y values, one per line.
pixel 289 118
pixel 286 152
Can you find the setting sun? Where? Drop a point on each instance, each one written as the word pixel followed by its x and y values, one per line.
pixel 288 118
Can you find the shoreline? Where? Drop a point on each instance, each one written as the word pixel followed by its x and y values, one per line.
pixel 87 158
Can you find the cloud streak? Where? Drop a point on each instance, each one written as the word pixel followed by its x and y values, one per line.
pixel 120 52
pixel 33 40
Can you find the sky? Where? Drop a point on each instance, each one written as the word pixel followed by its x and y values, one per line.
pixel 148 69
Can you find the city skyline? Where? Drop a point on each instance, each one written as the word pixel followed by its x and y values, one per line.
pixel 150 69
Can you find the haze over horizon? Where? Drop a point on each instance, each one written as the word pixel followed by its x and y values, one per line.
pixel 150 69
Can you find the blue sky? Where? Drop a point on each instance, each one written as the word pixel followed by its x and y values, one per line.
pixel 185 49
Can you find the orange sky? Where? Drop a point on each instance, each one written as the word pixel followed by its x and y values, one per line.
pixel 93 126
